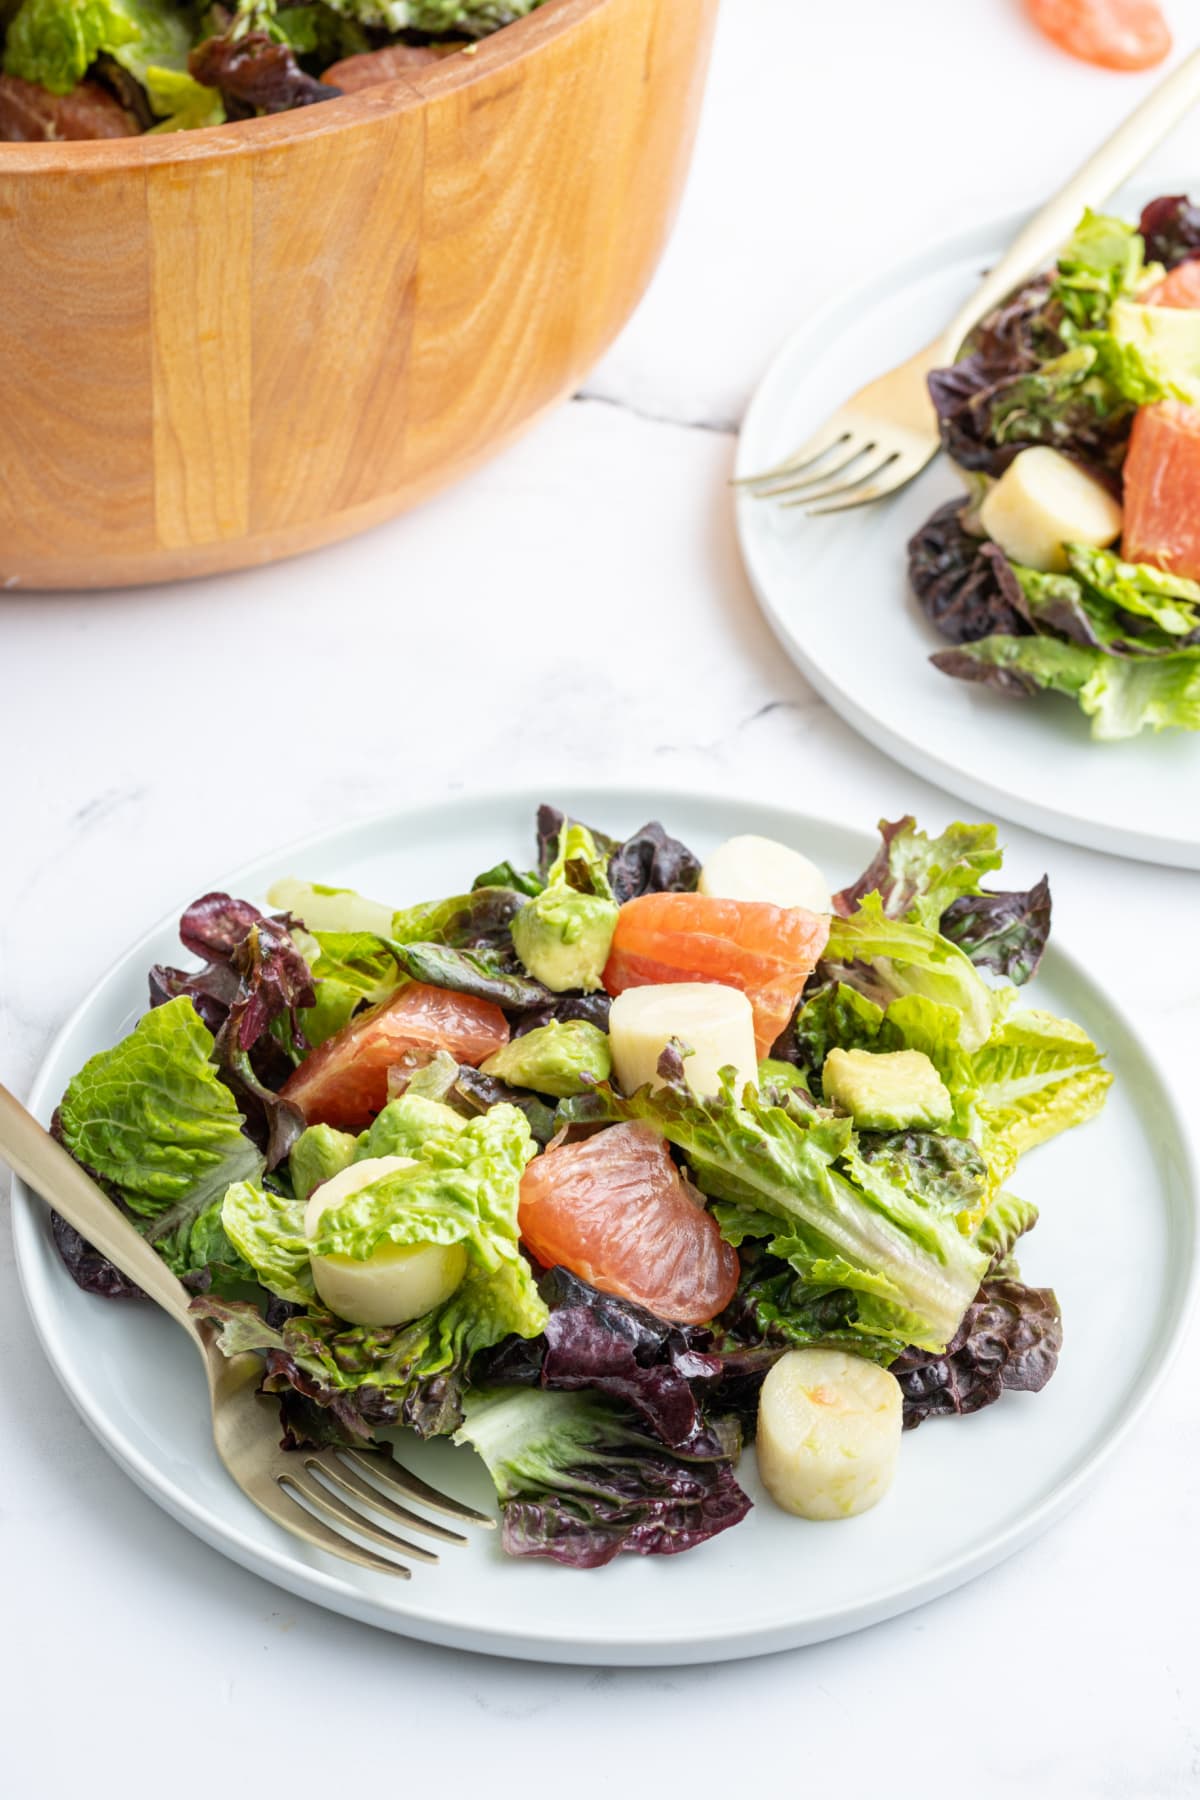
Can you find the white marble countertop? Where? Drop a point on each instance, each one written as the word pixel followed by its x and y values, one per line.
pixel 150 740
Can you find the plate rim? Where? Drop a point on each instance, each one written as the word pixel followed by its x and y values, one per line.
pixel 647 1648
pixel 1112 840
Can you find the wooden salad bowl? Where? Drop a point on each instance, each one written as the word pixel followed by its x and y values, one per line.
pixel 222 347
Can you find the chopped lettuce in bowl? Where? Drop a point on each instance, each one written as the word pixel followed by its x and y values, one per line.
pixel 113 68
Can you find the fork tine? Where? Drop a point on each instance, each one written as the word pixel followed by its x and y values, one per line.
pixel 900 471
pixel 317 1532
pixel 333 1506
pixel 856 449
pixel 361 1489
pixel 393 1475
pixel 830 435
pixel 838 488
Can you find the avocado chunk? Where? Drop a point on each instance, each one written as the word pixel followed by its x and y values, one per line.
pixel 887 1092
pixel 1168 338
pixel 563 935
pixel 563 938
pixel 406 1125
pixel 319 1154
pixel 552 1058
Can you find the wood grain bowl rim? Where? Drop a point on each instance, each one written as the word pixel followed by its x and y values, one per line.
pixel 247 137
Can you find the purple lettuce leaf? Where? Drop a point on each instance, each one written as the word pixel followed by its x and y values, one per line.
pixel 1006 933
pixel 649 862
pixel 367 1378
pixel 965 585
pixel 580 1482
pixel 88 1267
pixel 1010 1337
pixel 1009 344
pixel 250 992
pixel 255 73
pixel 674 1377
pixel 592 1008
pixel 935 882
pixel 653 1505
pixel 1170 226
pixel 594 1340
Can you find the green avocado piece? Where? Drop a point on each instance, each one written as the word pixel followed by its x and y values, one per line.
pixel 563 938
pixel 552 1058
pixel 1168 338
pixel 887 1092
pixel 318 1154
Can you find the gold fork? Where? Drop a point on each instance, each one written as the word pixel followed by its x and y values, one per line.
pixel 884 435
pixel 317 1495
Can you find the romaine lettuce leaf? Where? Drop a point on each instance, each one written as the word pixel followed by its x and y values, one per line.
pixel 180 102
pixel 1171 602
pixel 580 1481
pixel 786 1177
pixel 267 1230
pixel 371 1378
pixel 891 958
pixel 153 1121
pixel 212 1263
pixel 463 1190
pixel 1008 1218
pixel 1103 259
pixel 1037 1076
pixel 55 42
pixel 1121 695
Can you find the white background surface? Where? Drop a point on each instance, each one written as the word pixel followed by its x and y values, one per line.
pixel 575 610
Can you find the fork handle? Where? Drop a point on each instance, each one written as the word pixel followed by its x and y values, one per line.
pixel 1112 164
pixel 54 1174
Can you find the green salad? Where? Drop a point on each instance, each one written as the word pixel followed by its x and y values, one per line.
pixel 1072 564
pixel 606 1165
pixel 113 68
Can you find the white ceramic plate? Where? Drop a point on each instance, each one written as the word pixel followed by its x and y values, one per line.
pixel 835 591
pixel 968 1492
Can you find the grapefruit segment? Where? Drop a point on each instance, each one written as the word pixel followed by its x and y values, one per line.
pixel 1115 34
pixel 1162 489
pixel 767 951
pixel 1181 288
pixel 345 1082
pixel 616 1211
